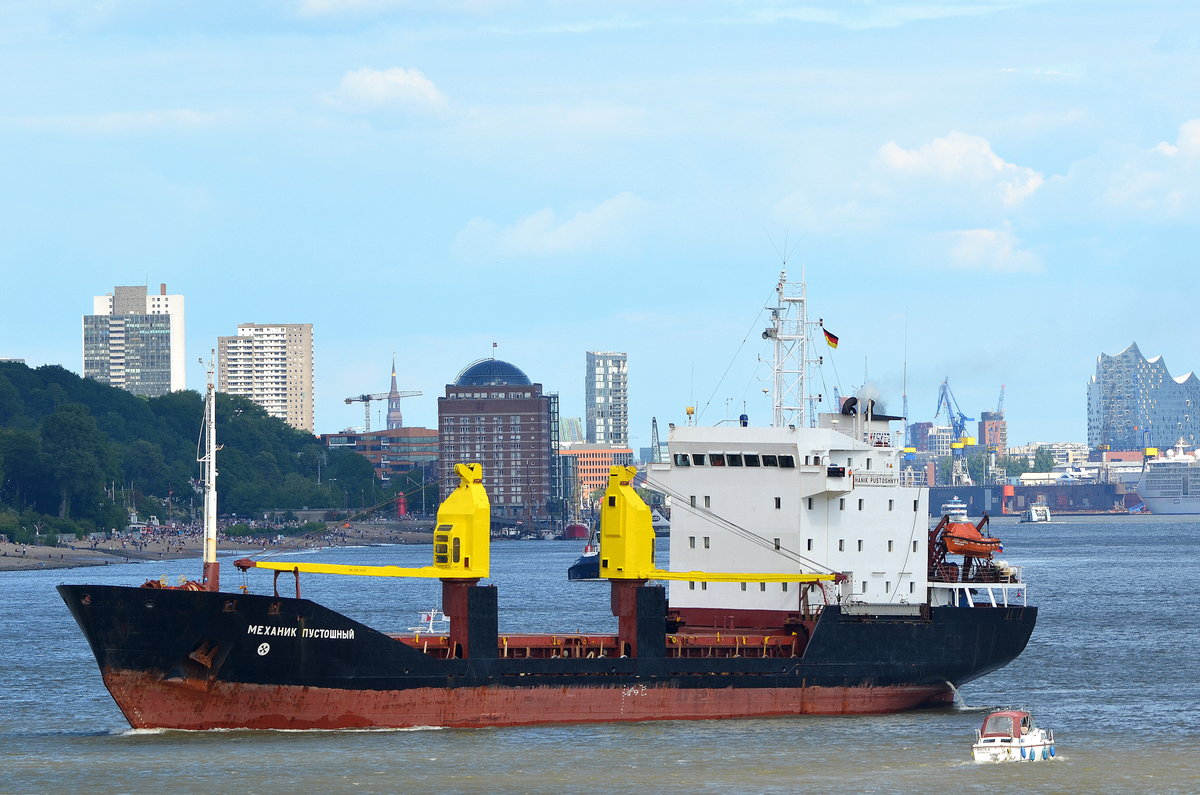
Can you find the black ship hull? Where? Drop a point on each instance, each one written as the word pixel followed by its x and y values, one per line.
pixel 204 660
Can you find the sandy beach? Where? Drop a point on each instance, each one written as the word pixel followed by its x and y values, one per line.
pixel 20 557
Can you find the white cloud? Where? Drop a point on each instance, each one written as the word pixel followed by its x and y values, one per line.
pixel 990 250
pixel 963 159
pixel 544 233
pixel 369 89
pixel 1159 182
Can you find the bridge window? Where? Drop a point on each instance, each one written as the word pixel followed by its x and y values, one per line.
pixel 698 459
pixel 860 545
pixel 891 504
pixel 860 505
pixel 787 462
pixel 784 584
pixel 762 586
pixel 778 503
pixel 810 499
pixel 743 586
pixel 716 459
pixel 770 461
pixel 890 544
pixel 914 546
pixel 691 542
pixel 841 545
pixel 810 542
pixel 693 500
pixel 706 542
pixel 682 460
pixel 733 459
pixel 841 503
pixel 707 501
pixel 777 544
pixel 751 459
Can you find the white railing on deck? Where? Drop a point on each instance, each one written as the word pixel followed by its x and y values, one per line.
pixel 995 594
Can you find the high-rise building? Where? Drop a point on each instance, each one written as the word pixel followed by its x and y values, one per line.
pixel 134 340
pixel 494 415
pixel 1133 403
pixel 272 365
pixel 606 394
pixel 993 432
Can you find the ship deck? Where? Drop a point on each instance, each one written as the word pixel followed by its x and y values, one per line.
pixel 554 646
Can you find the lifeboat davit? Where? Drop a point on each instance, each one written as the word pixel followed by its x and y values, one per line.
pixel 963 538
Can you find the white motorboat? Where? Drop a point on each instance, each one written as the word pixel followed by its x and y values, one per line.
pixel 1010 736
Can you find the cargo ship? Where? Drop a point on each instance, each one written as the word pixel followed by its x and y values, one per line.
pixel 803 580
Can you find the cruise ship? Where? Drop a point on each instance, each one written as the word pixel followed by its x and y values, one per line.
pixel 1170 483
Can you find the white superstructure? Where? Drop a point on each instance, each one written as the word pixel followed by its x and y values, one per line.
pixel 821 500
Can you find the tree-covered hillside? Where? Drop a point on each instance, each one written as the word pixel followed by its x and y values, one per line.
pixel 75 454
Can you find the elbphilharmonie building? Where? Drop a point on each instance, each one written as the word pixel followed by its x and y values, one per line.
pixel 1135 402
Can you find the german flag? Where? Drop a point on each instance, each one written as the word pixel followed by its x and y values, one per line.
pixel 830 338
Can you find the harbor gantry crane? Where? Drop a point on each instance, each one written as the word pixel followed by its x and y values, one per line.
pixel 366 401
pixel 960 476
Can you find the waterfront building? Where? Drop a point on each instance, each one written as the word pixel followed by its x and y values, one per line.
pixel 592 466
pixel 494 415
pixel 134 340
pixel 606 396
pixel 393 451
pixel 993 432
pixel 1134 402
pixel 1062 453
pixel 272 365
pixel 939 440
pixel 918 435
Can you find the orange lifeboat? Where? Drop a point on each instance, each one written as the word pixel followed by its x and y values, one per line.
pixel 963 538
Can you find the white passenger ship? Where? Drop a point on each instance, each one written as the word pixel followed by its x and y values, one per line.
pixel 1170 482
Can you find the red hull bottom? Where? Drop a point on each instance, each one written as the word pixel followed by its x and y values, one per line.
pixel 150 703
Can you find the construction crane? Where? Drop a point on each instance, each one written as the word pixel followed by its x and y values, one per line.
pixel 959 476
pixel 366 401
pixel 1000 403
pixel 655 453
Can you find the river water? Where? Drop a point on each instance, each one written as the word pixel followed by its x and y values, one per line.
pixel 1113 668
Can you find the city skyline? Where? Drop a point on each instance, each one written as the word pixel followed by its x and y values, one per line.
pixel 990 192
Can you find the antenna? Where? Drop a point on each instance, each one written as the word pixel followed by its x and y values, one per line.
pixel 904 379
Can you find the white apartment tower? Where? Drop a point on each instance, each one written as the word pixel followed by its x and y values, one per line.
pixel 134 340
pixel 272 365
pixel 606 392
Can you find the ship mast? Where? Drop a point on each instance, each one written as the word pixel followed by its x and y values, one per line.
pixel 789 333
pixel 211 579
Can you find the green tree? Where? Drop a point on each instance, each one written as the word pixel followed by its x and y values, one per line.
pixel 78 454
pixel 1043 461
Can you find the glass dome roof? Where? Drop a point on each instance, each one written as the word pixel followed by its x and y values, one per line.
pixel 491 372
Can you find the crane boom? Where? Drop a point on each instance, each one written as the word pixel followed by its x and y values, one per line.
pixel 366 401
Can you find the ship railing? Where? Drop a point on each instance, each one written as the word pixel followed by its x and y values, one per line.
pixel 985 594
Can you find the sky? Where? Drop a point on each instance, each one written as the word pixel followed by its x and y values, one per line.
pixel 992 192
